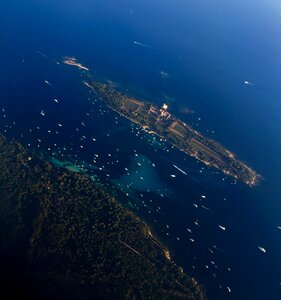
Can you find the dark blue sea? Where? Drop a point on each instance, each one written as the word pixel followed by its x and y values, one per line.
pixel 217 64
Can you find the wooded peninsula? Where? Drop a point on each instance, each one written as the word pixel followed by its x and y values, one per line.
pixel 62 237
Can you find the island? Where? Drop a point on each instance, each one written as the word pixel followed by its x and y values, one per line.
pixel 159 121
pixel 72 61
pixel 64 237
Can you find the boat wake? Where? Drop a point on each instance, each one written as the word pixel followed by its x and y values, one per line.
pixel 143 45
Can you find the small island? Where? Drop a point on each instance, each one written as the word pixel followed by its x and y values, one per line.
pixel 157 120
pixel 63 237
pixel 72 61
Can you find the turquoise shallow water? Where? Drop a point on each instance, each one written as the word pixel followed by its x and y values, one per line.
pixel 195 56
